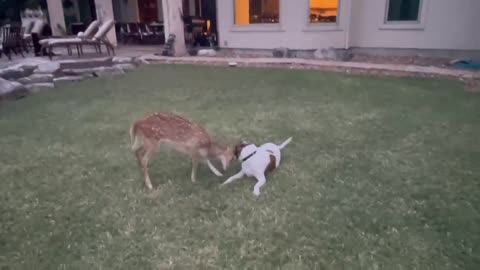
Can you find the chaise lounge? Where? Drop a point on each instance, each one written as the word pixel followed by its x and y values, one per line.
pixel 99 39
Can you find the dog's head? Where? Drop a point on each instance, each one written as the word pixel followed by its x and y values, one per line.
pixel 237 149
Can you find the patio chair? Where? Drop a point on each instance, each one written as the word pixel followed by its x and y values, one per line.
pixel 88 34
pixel 99 39
pixel 133 32
pixel 11 41
pixel 146 35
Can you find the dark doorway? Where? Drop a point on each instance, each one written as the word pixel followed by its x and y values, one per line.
pixel 148 11
pixel 201 27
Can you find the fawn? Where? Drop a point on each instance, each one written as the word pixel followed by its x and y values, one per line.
pixel 180 134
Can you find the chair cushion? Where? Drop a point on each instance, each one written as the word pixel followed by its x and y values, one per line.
pixel 56 41
pixel 104 29
pixel 90 31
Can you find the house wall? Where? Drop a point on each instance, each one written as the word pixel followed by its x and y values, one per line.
pixel 445 24
pixel 293 31
pixel 128 11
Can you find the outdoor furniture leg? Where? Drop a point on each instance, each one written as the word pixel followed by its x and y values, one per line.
pixel 8 53
pixel 78 50
pixel 50 52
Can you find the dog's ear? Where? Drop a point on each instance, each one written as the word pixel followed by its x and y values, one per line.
pixel 238 149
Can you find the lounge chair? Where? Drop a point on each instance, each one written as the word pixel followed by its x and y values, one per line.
pixel 99 39
pixel 88 34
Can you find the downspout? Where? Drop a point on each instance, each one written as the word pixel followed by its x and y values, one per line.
pixel 347 27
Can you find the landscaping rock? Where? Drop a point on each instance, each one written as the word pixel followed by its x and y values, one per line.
pixel 107 71
pixel 125 67
pixel 122 60
pixel 36 78
pixel 11 90
pixel 207 52
pixel 232 64
pixel 13 73
pixel 280 52
pixel 79 72
pixel 138 61
pixel 333 54
pixel 48 68
pixel 28 68
pixel 86 63
pixel 38 87
pixel 68 79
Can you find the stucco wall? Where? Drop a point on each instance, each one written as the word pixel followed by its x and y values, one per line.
pixel 293 31
pixel 445 24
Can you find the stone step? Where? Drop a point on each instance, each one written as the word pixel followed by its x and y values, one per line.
pixel 86 63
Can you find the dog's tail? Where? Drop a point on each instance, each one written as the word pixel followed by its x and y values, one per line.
pixel 133 136
pixel 285 143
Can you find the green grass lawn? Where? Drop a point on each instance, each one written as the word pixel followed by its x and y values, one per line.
pixel 382 173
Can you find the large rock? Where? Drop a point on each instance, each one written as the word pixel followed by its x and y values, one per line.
pixel 11 90
pixel 125 67
pixel 85 63
pixel 79 72
pixel 138 61
pixel 333 54
pixel 38 87
pixel 13 73
pixel 107 71
pixel 68 79
pixel 28 68
pixel 36 78
pixel 48 68
pixel 122 60
pixel 207 52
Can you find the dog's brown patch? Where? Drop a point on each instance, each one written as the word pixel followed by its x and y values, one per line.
pixel 238 149
pixel 271 165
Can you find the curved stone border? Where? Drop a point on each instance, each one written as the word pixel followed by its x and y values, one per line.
pixel 21 79
pixel 297 63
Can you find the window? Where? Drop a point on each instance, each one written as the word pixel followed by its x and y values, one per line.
pixel 403 10
pixel 256 11
pixel 323 11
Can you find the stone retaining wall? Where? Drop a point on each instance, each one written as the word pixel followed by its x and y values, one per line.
pixel 22 79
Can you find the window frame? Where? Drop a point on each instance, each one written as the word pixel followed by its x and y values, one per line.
pixel 418 24
pixel 324 26
pixel 258 27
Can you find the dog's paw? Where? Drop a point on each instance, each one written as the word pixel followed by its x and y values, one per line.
pixel 256 192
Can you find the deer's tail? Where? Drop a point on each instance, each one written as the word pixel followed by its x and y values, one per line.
pixel 285 143
pixel 133 136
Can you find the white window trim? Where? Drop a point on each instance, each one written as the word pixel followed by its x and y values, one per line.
pixel 258 27
pixel 323 27
pixel 419 24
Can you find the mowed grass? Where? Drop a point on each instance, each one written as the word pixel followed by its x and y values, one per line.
pixel 382 173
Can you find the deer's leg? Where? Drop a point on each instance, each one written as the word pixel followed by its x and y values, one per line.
pixel 139 153
pixel 195 161
pixel 149 149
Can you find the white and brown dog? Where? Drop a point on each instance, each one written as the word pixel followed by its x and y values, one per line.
pixel 257 161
